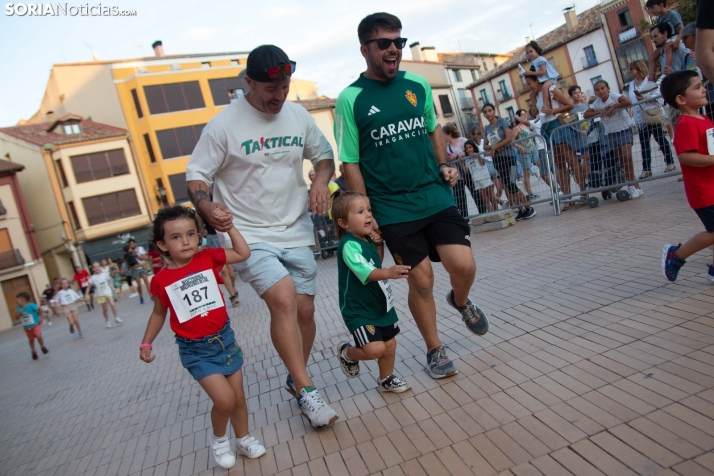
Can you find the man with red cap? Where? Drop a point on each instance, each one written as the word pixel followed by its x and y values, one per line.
pixel 250 157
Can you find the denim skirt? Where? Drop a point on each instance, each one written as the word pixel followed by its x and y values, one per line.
pixel 214 354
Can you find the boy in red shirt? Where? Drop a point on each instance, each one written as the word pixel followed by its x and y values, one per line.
pixel 694 142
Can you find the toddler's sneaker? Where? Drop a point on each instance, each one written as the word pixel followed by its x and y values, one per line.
pixel 71 329
pixel 471 314
pixel 290 386
pixel 81 335
pixel 35 356
pixel 133 295
pixel 393 384
pixel 318 413
pixel 221 449
pixel 710 273
pixel 529 213
pixel 438 364
pixel 349 367
pixel 141 299
pixel 109 324
pixel 671 262
pixel 118 320
pixel 249 447
pixel 44 350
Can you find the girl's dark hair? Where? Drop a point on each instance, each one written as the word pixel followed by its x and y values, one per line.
pixel 572 89
pixel 341 209
pixel 24 295
pixel 472 144
pixel 601 81
pixel 170 214
pixel 371 23
pixel 518 112
pixel 488 105
pixel 535 46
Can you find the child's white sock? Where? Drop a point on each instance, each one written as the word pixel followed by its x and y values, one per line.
pixel 344 354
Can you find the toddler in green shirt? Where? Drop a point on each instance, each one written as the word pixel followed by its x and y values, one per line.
pixel 366 299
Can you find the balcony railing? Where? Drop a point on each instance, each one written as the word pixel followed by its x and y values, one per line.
pixel 525 90
pixel 467 103
pixel 588 62
pixel 503 96
pixel 628 34
pixel 10 259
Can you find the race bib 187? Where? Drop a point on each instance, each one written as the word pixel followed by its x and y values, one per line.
pixel 194 295
pixel 67 299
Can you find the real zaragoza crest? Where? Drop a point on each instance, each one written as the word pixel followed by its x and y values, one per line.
pixel 411 97
pixel 370 329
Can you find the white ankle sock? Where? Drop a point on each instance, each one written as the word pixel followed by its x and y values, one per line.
pixel 344 354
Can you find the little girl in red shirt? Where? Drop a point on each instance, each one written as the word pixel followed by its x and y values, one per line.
pixel 188 288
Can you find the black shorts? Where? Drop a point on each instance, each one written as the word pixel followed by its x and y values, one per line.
pixel 706 215
pixel 366 334
pixel 412 241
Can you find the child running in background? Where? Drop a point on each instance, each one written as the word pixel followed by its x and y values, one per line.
pixel 546 74
pixel 694 143
pixel 46 311
pixel 366 300
pixel 188 288
pixel 480 175
pixel 30 315
pixel 104 291
pixel 66 297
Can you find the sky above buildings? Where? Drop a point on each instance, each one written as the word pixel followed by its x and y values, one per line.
pixel 320 35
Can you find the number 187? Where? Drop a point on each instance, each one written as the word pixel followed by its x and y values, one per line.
pixel 196 295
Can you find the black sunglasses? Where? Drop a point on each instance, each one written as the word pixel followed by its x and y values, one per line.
pixel 383 43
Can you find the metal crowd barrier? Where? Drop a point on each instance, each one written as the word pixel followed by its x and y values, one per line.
pixel 325 236
pixel 603 163
pixel 533 172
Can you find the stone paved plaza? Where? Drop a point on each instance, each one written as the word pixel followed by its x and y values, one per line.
pixel 594 364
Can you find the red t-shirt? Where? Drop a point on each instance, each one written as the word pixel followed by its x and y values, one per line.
pixel 191 294
pixel 82 278
pixel 690 136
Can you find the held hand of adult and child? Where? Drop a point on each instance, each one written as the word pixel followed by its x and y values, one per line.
pixel 217 215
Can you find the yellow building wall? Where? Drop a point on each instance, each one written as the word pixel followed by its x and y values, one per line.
pixel 149 123
pixel 325 121
pixel 13 223
pixel 76 192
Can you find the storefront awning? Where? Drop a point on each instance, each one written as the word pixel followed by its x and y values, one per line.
pixel 113 246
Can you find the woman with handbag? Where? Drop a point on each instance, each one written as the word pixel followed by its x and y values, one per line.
pixel 618 129
pixel 648 118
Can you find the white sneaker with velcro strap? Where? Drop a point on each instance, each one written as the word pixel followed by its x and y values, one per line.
pixel 221 449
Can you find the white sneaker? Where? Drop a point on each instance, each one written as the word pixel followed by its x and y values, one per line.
pixel 118 320
pixel 221 449
pixel 316 410
pixel 109 324
pixel 249 447
pixel 633 192
pixel 133 295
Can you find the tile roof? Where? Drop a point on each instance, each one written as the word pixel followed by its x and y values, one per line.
pixel 322 102
pixel 588 21
pixel 10 167
pixel 39 134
